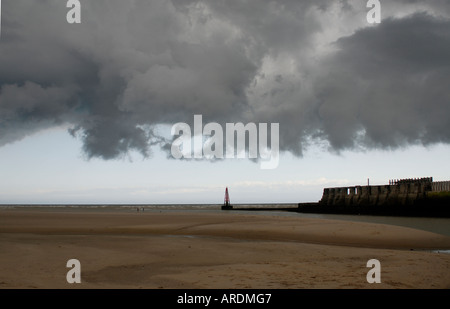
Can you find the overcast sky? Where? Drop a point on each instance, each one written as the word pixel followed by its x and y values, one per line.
pixel 86 109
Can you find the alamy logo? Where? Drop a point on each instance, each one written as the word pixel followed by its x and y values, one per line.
pixel 74 274
pixel 74 14
pixel 193 146
pixel 374 14
pixel 374 274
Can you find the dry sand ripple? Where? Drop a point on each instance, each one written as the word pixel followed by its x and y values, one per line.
pixel 213 250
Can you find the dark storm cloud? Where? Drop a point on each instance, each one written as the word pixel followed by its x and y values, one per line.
pixel 315 67
pixel 389 83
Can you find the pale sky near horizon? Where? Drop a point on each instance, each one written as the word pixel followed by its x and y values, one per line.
pixel 86 109
pixel 35 175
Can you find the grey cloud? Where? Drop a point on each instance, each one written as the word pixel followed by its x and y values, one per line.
pixel 31 107
pixel 390 83
pixel 131 66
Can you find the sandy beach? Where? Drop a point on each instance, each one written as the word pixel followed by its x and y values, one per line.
pixel 219 250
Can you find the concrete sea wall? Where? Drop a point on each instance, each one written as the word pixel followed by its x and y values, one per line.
pixel 417 197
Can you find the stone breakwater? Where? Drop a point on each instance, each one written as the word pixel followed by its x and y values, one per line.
pixel 405 197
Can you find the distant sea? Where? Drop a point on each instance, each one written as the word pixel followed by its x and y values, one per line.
pixel 436 225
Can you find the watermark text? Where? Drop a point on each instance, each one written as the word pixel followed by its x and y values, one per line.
pixel 189 145
pixel 374 275
pixel 374 14
pixel 74 274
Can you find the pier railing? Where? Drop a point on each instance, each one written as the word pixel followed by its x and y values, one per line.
pixel 440 186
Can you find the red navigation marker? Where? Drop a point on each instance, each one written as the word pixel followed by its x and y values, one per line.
pixel 227 197
pixel 226 203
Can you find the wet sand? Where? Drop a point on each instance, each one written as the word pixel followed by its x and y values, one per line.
pixel 220 250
